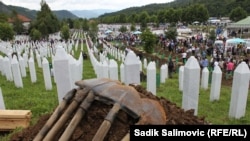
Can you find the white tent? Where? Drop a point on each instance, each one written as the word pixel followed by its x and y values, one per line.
pixel 137 32
pixel 244 23
pixel 108 31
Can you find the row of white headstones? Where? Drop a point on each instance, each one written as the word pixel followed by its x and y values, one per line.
pixel 13 67
pixel 66 70
pixel 191 78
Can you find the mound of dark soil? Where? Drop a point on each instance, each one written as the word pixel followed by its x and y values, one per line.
pixel 120 127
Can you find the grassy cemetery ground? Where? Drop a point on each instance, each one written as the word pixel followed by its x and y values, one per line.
pixel 34 97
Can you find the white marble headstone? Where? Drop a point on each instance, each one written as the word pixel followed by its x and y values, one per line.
pixel 191 85
pixel 113 70
pixel 46 74
pixel 131 69
pixel 216 84
pixel 16 73
pixel 240 91
pixel 2 105
pixel 62 73
pixel 204 78
pixel 151 77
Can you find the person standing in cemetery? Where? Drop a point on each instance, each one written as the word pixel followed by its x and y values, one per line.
pixel 204 62
pixel 233 50
pixel 184 56
pixel 216 62
pixel 170 68
pixel 230 67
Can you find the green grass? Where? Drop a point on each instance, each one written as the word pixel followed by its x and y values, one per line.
pixel 215 112
pixel 34 97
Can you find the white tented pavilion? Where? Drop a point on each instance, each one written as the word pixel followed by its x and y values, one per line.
pixel 240 25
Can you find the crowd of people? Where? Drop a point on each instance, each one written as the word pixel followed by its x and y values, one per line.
pixel 207 53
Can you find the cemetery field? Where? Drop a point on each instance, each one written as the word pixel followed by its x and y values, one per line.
pixel 215 112
pixel 34 96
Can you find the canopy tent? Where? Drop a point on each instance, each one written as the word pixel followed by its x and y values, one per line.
pixel 137 32
pixel 196 22
pixel 236 40
pixel 240 25
pixel 102 36
pixel 244 23
pixel 158 32
pixel 108 31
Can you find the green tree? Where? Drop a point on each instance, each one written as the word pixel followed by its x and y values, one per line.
pixel 6 31
pixel 93 30
pixel 65 34
pixel 171 33
pixel 132 27
pixel 149 40
pixel 196 12
pixel 153 19
pixel 170 16
pixel 77 24
pixel 122 18
pixel 17 23
pixel 3 18
pixel 144 16
pixel 202 14
pixel 46 22
pixel 35 34
pixel 70 23
pixel 133 18
pixel 212 35
pixel 178 14
pixel 123 29
pixel 143 25
pixel 237 14
pixel 160 16
pixel 85 25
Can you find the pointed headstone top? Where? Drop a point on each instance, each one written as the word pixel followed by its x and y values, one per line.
pixel 151 65
pixel 217 69
pixel 112 63
pixel 131 58
pixel 45 61
pixel 242 68
pixel 192 62
pixel 60 54
pixel 14 60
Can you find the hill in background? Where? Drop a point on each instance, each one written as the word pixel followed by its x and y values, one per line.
pixel 31 14
pixel 90 13
pixel 61 14
pixel 216 8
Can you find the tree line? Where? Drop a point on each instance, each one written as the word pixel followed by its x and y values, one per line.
pixel 45 23
pixel 184 11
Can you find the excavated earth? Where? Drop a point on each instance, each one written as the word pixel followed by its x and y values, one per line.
pixel 92 120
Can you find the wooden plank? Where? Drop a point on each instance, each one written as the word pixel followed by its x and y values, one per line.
pixel 15 113
pixel 14 123
pixel 12 119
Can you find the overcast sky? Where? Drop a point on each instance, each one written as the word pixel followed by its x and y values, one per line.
pixel 82 4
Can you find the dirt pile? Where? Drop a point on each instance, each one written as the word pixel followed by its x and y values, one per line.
pixel 97 112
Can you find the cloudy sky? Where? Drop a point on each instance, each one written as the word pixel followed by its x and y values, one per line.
pixel 82 4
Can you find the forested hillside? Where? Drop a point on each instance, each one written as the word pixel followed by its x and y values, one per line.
pixel 31 14
pixel 216 8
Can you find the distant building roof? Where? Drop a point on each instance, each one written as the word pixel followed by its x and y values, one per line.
pixel 244 23
pixel 20 17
